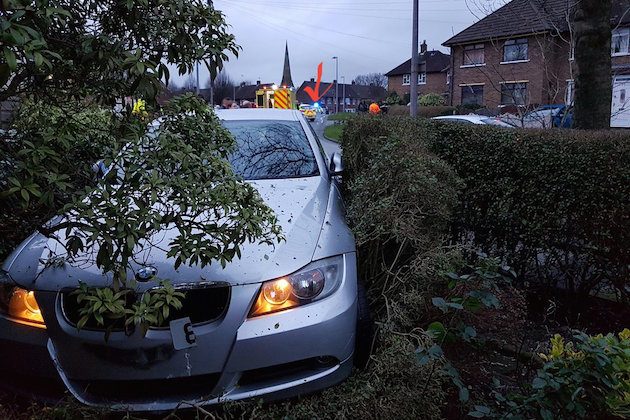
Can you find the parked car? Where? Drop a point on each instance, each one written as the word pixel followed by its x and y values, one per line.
pixel 474 119
pixel 548 116
pixel 280 321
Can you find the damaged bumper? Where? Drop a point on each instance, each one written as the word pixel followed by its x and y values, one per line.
pixel 274 356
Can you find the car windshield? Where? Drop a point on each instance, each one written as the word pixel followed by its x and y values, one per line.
pixel 271 150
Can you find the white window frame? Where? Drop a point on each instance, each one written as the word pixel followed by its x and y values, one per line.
pixel 406 80
pixel 473 85
pixel 624 34
pixel 422 78
pixel 524 84
pixel 473 47
pixel 516 41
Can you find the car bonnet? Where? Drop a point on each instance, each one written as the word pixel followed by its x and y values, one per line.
pixel 300 205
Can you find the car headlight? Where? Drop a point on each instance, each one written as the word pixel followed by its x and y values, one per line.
pixel 316 281
pixel 19 305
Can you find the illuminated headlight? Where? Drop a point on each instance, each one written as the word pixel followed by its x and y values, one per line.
pixel 19 305
pixel 314 282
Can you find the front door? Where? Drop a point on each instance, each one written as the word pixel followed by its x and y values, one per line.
pixel 620 112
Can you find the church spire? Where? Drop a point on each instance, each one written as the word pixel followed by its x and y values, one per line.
pixel 286 73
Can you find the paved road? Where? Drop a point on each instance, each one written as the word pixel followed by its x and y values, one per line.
pixel 330 147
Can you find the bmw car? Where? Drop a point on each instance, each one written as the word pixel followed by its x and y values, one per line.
pixel 277 322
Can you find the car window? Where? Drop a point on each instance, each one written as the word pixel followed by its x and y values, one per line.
pixel 271 150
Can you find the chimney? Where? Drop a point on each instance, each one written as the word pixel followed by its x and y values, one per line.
pixel 354 83
pixel 312 80
pixel 335 81
pixel 423 47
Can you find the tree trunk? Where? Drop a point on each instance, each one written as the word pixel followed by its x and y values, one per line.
pixel 593 84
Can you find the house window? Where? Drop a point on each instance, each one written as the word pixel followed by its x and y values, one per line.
pixel 514 93
pixel 515 50
pixel 406 79
pixel 422 78
pixel 570 92
pixel 448 77
pixel 620 41
pixel 474 55
pixel 472 95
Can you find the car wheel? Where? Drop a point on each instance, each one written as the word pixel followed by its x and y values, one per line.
pixel 365 329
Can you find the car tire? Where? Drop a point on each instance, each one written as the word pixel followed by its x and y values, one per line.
pixel 365 329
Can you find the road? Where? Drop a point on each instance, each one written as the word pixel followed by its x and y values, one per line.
pixel 330 147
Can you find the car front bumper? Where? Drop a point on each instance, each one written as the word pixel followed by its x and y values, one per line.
pixel 280 355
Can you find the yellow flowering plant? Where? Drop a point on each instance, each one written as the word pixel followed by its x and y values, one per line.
pixel 588 376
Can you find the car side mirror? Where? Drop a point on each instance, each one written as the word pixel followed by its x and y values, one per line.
pixel 336 164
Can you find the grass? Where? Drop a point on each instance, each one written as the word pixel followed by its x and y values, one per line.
pixel 341 116
pixel 333 132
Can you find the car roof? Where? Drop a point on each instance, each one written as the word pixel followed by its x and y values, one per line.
pixel 258 114
pixel 470 117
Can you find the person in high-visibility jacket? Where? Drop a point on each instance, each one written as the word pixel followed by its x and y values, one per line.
pixel 375 109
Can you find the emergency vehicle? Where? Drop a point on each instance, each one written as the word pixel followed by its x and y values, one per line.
pixel 279 97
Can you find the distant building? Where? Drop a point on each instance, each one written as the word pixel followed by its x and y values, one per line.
pixel 433 74
pixel 354 94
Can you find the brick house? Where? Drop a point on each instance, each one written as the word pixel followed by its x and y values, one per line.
pixel 521 56
pixel 433 74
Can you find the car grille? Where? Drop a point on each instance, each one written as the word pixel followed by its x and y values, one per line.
pixel 202 304
pixel 139 391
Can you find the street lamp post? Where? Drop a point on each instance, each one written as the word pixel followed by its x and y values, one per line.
pixel 413 91
pixel 343 85
pixel 336 83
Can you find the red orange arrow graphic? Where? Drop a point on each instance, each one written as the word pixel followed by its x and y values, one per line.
pixel 314 93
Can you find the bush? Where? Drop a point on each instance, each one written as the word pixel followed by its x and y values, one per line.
pixel 553 204
pixel 45 163
pixel 431 99
pixel 423 111
pixel 587 377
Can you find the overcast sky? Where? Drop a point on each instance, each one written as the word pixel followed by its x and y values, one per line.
pixel 367 36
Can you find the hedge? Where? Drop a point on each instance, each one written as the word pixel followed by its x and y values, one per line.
pixel 554 204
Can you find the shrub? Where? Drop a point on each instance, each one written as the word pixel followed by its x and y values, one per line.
pixel 553 204
pixel 423 111
pixel 586 377
pixel 431 99
pixel 393 99
pixel 45 163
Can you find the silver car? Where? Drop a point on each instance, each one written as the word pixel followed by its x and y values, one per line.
pixel 278 322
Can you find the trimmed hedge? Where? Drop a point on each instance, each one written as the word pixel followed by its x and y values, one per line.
pixel 554 204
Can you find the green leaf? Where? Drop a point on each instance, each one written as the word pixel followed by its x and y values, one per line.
pixel 9 56
pixel 39 59
pixel 437 330
pixel 440 303
pixel 539 383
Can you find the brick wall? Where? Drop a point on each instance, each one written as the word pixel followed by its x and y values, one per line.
pixel 546 71
pixel 436 83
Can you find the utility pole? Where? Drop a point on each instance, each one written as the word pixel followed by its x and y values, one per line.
pixel 413 91
pixel 343 84
pixel 211 81
pixel 336 84
pixel 197 82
